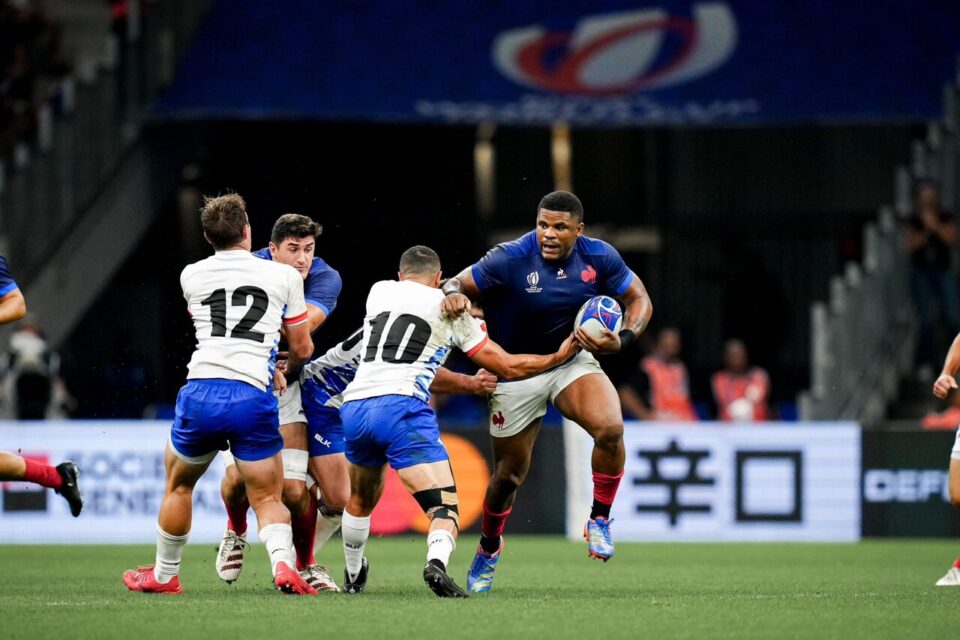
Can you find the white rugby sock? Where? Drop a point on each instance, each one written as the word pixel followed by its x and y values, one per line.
pixel 440 544
pixel 355 532
pixel 169 552
pixel 327 524
pixel 278 539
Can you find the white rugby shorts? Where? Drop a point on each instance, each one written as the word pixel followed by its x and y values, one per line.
pixel 291 409
pixel 516 404
pixel 955 454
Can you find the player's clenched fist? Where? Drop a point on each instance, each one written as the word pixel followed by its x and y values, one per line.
pixel 483 383
pixel 279 379
pixel 454 304
pixel 569 348
pixel 943 385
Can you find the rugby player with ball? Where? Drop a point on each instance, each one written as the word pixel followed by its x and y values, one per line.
pixel 531 290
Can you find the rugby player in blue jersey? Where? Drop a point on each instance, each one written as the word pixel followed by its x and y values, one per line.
pixel 531 289
pixel 293 242
pixel 63 477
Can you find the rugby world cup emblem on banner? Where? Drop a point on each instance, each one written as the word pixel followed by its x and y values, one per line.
pixel 619 53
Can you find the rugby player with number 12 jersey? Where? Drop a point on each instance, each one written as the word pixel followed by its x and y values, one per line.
pixel 238 303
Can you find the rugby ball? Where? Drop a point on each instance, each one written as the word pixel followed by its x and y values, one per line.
pixel 597 313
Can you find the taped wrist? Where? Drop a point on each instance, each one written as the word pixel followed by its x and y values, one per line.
pixel 627 337
pixel 440 503
pixel 451 287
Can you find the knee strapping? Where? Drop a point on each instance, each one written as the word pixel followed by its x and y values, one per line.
pixel 294 464
pixel 440 503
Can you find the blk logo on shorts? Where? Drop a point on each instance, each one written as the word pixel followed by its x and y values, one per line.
pixel 498 419
pixel 321 440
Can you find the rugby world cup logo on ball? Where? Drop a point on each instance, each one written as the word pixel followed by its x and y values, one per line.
pixel 598 313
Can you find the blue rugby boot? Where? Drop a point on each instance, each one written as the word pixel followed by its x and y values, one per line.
pixel 480 574
pixel 599 541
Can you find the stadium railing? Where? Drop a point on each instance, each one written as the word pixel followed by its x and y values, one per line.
pixel 87 122
pixel 862 338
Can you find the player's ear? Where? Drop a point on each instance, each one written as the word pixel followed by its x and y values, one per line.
pixel 399 275
pixel 273 249
pixel 437 280
pixel 580 228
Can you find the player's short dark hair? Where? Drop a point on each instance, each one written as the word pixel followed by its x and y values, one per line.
pixel 294 225
pixel 419 260
pixel 563 201
pixel 223 219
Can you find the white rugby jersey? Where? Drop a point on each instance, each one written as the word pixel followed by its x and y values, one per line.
pixel 237 302
pixel 334 370
pixel 405 340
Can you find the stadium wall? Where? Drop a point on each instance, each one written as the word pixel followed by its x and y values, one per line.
pixel 771 482
pixel 123 479
pixel 684 482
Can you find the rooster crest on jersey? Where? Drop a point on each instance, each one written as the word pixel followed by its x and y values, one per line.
pixel 599 312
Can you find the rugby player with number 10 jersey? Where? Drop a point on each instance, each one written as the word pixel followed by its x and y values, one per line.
pixel 386 417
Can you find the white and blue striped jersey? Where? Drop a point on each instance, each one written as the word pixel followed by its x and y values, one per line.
pixel 329 374
pixel 238 302
pixel 405 340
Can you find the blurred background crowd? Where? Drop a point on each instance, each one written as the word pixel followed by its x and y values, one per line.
pixel 801 252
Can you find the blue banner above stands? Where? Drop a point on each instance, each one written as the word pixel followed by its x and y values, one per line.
pixel 605 62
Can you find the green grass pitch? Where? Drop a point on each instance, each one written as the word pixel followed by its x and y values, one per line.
pixel 546 588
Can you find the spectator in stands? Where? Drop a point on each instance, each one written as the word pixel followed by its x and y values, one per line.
pixel 740 391
pixel 659 389
pixel 949 418
pixel 29 47
pixel 931 238
pixel 33 369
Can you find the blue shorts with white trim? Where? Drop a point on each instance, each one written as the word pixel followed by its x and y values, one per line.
pixel 215 414
pixel 401 430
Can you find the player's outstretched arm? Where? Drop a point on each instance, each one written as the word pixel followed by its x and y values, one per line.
pixel 951 364
pixel 508 366
pixel 482 383
pixel 12 307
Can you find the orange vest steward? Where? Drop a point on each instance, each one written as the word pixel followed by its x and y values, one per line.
pixel 669 389
pixel 729 387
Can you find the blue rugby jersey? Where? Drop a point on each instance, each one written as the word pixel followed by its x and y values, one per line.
pixel 530 303
pixel 7 283
pixel 322 286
